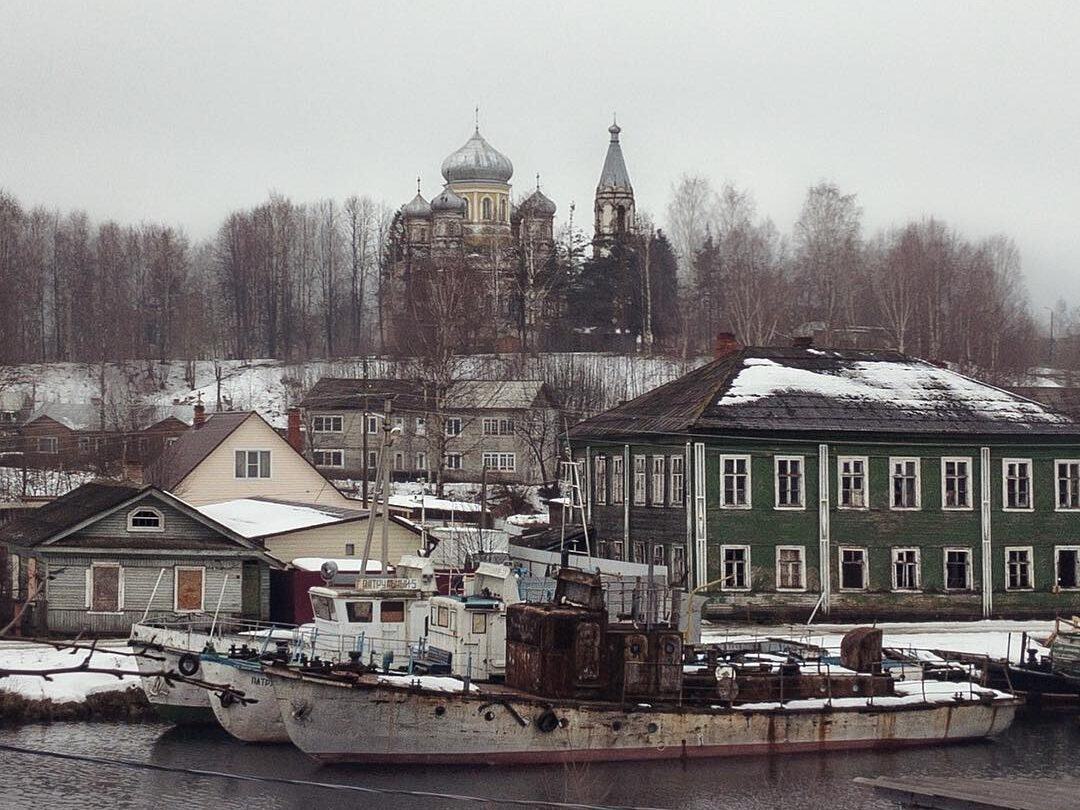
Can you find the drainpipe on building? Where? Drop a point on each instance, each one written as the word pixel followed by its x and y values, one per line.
pixel 987 535
pixel 824 553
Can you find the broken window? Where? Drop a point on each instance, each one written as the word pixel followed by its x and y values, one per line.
pixel 957 569
pixel 905 569
pixel 789 482
pixel 905 483
pixel 735 482
pixel 1068 566
pixel 853 486
pixel 1017 483
pixel 955 483
pixel 853 569
pixel 789 568
pixel 736 561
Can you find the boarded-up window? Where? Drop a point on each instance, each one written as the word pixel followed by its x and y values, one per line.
pixel 105 588
pixel 189 589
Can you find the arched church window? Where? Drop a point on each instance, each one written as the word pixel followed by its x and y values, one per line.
pixel 502 210
pixel 485 209
pixel 620 219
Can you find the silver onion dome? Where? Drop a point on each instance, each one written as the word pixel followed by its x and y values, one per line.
pixel 448 201
pixel 538 204
pixel 417 207
pixel 477 160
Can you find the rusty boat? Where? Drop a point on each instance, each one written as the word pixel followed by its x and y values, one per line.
pixel 583 685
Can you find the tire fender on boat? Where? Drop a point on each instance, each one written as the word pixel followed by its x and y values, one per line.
pixel 188 664
pixel 546 722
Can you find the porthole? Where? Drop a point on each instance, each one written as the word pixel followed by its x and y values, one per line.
pixel 652 728
pixel 489 715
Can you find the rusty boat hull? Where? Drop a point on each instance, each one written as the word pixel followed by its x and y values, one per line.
pixel 362 720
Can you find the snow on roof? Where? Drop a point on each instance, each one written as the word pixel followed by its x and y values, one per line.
pixel 347 565
pixel 431 502
pixel 914 386
pixel 260 517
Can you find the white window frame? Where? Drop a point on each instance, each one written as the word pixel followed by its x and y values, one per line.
pixel 51 442
pixel 749 481
pixel 420 426
pixel 599 479
pixel 499 461
pixel 1030 563
pixel 131 527
pixel 420 460
pixel 802 569
pixel 618 480
pixel 969 573
pixel 747 570
pixel 840 475
pixel 865 568
pixel 641 476
pixel 1066 547
pixel 319 423
pixel 1005 462
pixel 315 455
pixel 893 460
pixel 176 588
pixel 90 589
pixel 893 552
pixel 801 505
pixel 676 480
pixel 452 461
pixel 452 426
pixel 970 493
pixel 657 476
pixel 1057 484
pixel 247 461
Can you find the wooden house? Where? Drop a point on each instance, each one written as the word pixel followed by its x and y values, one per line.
pixel 866 484
pixel 107 553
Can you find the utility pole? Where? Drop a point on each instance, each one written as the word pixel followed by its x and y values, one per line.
pixel 363 437
pixel 387 441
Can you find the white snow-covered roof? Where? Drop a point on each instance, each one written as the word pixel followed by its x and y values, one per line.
pixel 262 517
pixel 431 502
pixel 812 390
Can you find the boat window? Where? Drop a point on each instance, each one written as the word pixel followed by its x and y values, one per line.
pixel 322 607
pixel 479 623
pixel 444 617
pixel 392 611
pixel 358 611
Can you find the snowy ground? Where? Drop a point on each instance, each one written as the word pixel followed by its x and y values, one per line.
pixel 993 638
pixel 63 688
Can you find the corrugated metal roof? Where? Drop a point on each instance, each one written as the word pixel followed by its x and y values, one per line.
pixel 800 390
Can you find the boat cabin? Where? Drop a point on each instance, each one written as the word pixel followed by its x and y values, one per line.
pixel 379 619
pixel 468 632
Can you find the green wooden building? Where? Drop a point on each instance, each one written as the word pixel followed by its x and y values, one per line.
pixel 857 484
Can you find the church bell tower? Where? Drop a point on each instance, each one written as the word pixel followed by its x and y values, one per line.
pixel 614 205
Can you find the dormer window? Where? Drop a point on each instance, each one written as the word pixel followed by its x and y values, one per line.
pixel 145 519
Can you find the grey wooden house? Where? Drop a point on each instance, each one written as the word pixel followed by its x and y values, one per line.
pixel 865 484
pixel 109 552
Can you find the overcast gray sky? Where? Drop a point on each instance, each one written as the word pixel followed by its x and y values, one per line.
pixel 180 112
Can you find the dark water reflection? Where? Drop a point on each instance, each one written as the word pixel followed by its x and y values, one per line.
pixel 1036 747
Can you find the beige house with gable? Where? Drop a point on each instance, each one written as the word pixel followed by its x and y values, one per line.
pixel 238 454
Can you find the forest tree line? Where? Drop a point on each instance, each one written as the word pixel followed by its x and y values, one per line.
pixel 299 281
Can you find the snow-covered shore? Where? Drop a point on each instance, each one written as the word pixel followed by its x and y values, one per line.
pixel 69 687
pixel 994 638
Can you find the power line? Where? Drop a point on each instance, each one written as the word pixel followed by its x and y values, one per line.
pixel 422 794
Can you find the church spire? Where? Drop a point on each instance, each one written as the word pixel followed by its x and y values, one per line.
pixel 614 203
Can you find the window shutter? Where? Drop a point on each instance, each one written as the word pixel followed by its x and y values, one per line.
pixel 264 463
pixel 89 586
pixel 120 588
pixel 241 471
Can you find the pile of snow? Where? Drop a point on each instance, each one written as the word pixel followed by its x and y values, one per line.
pixel 911 693
pixel 527 520
pixel 914 387
pixel 16 483
pixel 71 687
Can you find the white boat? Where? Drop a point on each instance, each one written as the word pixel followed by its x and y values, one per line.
pixel 248 709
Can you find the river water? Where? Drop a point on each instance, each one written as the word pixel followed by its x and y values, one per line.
pixel 1038 747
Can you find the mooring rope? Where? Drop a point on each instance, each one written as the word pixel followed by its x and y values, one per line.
pixel 421 794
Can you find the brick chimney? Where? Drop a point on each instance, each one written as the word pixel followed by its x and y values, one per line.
pixel 200 416
pixel 293 434
pixel 725 344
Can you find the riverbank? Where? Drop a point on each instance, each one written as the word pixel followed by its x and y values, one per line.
pixel 88 696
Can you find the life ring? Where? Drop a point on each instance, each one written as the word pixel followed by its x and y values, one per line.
pixel 188 664
pixel 547 722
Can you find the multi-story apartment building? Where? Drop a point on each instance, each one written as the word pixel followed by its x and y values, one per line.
pixel 854 483
pixel 447 433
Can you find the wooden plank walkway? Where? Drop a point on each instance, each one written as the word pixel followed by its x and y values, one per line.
pixel 978 794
